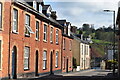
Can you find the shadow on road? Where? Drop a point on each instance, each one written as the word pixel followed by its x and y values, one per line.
pixel 98 76
pixel 60 77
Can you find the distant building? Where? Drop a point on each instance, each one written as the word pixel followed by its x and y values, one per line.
pixel 84 55
pixel 81 52
pixel 76 53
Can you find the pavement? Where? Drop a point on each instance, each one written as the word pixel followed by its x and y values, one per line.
pixel 90 74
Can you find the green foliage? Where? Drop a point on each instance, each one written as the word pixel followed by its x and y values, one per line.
pixel 106 36
pixel 112 61
pixel 98 48
pixel 101 42
pixel 100 37
pixel 110 64
pixel 87 30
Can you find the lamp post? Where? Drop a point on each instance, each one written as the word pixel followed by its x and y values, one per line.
pixel 113 39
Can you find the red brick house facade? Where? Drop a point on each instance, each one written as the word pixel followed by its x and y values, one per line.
pixel 30 42
pixel 67 41
pixel 67 54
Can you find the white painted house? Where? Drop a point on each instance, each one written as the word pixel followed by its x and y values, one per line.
pixel 84 56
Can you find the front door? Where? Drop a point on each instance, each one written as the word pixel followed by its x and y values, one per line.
pixel 51 60
pixel 14 62
pixel 36 66
pixel 67 66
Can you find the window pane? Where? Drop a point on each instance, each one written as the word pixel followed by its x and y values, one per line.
pixel 45 28
pixel 45 32
pixel 43 64
pixel 35 5
pixel 51 34
pixel 44 36
pixel 27 19
pixel 57 36
pixel 56 59
pixel 44 59
pixel 26 57
pixel 0 15
pixel 37 30
pixel 26 53
pixel 25 63
pixel 15 20
pixel 63 43
pixel 40 8
pixel 44 55
pixel 28 29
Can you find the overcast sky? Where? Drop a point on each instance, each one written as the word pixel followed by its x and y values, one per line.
pixel 79 12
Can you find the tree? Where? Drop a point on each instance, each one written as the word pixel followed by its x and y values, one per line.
pixel 85 27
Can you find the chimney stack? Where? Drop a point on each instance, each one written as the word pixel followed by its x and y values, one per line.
pixel 53 15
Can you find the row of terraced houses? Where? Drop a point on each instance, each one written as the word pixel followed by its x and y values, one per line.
pixel 32 41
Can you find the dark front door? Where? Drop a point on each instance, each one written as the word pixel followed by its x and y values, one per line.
pixel 67 66
pixel 36 66
pixel 14 62
pixel 51 62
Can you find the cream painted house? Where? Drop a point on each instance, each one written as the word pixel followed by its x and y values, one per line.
pixel 81 52
pixel 84 55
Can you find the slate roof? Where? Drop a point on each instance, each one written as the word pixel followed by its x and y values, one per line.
pixel 23 4
pixel 61 22
pixel 45 7
pixel 67 23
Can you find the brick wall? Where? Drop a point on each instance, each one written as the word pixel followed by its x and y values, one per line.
pixel 67 54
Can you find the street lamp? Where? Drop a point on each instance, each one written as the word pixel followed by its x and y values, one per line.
pixel 113 39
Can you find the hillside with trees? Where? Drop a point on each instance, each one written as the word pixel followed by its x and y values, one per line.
pixel 101 37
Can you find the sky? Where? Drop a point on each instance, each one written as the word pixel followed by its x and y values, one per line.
pixel 79 12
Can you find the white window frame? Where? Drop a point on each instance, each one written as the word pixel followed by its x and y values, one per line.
pixel 35 5
pixel 51 34
pixel 37 30
pixel 56 59
pixel 40 8
pixel 28 29
pixel 57 36
pixel 0 15
pixel 45 32
pixel 26 57
pixel 15 20
pixel 44 59
pixel 27 24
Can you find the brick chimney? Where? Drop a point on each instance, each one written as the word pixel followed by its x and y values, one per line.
pixel 53 15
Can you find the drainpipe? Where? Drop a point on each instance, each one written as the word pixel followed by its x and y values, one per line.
pixel 9 44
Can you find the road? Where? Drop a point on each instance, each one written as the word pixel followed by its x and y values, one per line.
pixel 91 72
